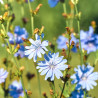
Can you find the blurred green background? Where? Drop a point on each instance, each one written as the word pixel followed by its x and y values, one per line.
pixel 54 24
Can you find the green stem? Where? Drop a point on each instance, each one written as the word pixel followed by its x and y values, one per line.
pixel 71 22
pixel 68 49
pixel 65 11
pixel 32 17
pixel 53 87
pixel 38 78
pixel 84 94
pixel 78 23
pixel 23 87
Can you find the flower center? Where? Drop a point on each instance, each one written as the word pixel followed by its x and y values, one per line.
pixel 52 66
pixel 84 78
pixel 90 44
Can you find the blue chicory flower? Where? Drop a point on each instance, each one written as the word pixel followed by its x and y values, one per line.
pixel 16 90
pixel 20 52
pixel 63 41
pixel 84 77
pixel 53 3
pixel 36 49
pixel 89 40
pixel 77 94
pixel 3 75
pixel 18 36
pixel 52 66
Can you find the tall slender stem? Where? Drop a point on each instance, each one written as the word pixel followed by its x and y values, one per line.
pixel 84 93
pixel 78 23
pixel 32 27
pixel 38 82
pixel 32 17
pixel 65 11
pixel 38 78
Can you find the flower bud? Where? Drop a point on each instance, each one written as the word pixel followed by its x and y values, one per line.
pixel 51 92
pixel 37 9
pixel 22 68
pixel 29 92
pixel 93 24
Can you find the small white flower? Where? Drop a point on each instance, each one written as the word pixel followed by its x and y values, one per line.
pixel 36 49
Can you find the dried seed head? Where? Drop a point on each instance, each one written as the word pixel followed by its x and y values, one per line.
pixel 36 31
pixel 51 92
pixel 44 95
pixel 25 20
pixel 93 24
pixel 65 15
pixel 22 68
pixel 72 43
pixel 29 92
pixel 30 76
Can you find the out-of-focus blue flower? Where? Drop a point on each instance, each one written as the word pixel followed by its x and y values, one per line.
pixel 18 36
pixel 53 3
pixel 84 77
pixel 63 41
pixel 86 35
pixel 89 46
pixel 1 1
pixel 52 66
pixel 20 52
pixel 36 49
pixel 3 75
pixel 16 90
pixel 89 40
pixel 29 0
pixel 77 94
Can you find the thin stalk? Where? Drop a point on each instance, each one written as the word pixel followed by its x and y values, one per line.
pixel 52 92
pixel 65 11
pixel 63 86
pixel 78 23
pixel 32 17
pixel 38 78
pixel 68 50
pixel 53 87
pixel 84 94
pixel 23 87
pixel 71 23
